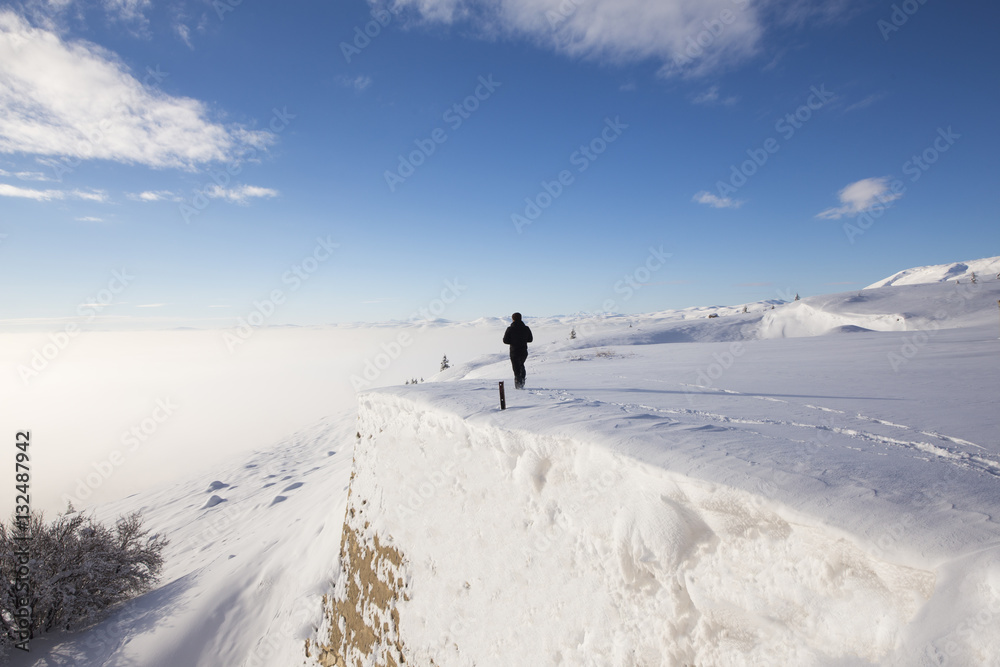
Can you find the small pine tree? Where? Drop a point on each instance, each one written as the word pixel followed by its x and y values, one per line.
pixel 744 309
pixel 973 277
pixel 796 296
pixel 444 363
pixel 572 333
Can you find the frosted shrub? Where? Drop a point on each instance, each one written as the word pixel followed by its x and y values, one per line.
pixel 79 569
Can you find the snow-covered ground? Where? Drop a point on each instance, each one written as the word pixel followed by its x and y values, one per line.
pixel 813 484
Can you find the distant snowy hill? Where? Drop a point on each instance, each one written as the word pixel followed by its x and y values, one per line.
pixel 985 269
pixel 805 483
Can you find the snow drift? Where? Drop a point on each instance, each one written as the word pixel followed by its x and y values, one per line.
pixel 785 502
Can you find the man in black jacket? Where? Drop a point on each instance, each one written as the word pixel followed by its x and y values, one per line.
pixel 518 335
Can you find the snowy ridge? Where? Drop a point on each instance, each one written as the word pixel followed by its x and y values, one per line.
pixel 985 269
pixel 652 552
pixel 701 525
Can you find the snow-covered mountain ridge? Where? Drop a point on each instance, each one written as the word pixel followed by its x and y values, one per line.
pixel 985 269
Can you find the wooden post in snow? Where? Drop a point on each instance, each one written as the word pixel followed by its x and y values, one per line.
pixel 503 399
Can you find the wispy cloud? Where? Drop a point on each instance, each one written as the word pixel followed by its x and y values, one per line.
pixel 358 83
pixel 25 175
pixel 7 190
pixel 706 197
pixel 711 96
pixel 240 194
pixel 617 30
pixel 130 12
pixel 154 195
pixel 150 305
pixel 89 218
pixel 76 99
pixel 866 102
pixel 861 196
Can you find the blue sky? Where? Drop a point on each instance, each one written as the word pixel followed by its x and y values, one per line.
pixel 234 156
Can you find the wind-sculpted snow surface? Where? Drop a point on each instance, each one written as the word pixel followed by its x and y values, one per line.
pixel 627 520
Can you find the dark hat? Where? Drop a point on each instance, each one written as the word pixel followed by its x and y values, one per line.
pixel 516 317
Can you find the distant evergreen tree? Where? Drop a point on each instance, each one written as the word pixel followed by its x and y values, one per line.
pixel 973 277
pixel 744 309
pixel 444 363
pixel 572 333
pixel 796 296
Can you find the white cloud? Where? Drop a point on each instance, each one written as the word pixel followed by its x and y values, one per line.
pixel 241 194
pixel 690 37
pixel 150 305
pixel 185 34
pixel 89 218
pixel 26 175
pixel 7 190
pixel 155 195
pixel 867 102
pixel 130 11
pixel 711 96
pixel 706 197
pixel 76 99
pixel 359 82
pixel 861 196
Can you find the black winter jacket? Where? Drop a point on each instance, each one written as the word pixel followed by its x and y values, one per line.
pixel 518 335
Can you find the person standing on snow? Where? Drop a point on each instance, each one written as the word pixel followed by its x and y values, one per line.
pixel 518 335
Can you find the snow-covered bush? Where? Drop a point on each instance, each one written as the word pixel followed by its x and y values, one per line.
pixel 79 568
